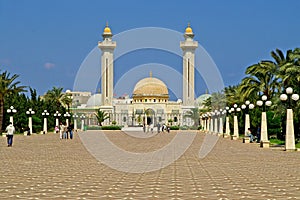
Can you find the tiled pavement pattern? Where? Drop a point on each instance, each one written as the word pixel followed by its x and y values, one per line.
pixel 43 167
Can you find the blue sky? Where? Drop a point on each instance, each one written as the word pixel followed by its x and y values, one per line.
pixel 45 42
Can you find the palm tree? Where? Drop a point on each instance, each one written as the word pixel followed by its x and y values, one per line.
pixel 101 116
pixel 193 114
pixel 58 97
pixel 289 70
pixel 261 79
pixel 8 85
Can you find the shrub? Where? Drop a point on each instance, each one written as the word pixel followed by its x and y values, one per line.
pixel 104 127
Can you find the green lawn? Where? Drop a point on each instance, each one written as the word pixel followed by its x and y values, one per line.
pixel 282 142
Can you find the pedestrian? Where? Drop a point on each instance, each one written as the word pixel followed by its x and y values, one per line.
pixel 158 128
pixel 249 134
pixel 70 130
pixel 258 135
pixel 151 127
pixel 10 130
pixel 144 127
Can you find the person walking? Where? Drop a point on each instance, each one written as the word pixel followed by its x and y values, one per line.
pixel 10 130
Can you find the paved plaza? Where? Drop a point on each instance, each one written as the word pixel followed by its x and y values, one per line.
pixel 44 167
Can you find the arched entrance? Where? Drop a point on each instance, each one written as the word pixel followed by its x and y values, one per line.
pixel 150 117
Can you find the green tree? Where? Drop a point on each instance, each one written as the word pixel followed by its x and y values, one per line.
pixel 193 114
pixel 101 116
pixel 8 86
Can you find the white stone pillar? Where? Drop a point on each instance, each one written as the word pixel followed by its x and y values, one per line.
pixel 264 142
pixel 227 128
pixel 56 122
pixel 75 124
pixel 290 135
pixel 235 128
pixel 45 125
pixel 221 126
pixel 82 124
pixel 11 119
pixel 30 124
pixel 247 123
pixel 216 125
pixel 67 121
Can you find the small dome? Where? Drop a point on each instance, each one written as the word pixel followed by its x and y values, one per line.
pixel 107 30
pixel 189 30
pixel 94 101
pixel 202 98
pixel 150 87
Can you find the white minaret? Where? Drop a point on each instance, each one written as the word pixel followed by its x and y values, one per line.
pixel 107 47
pixel 188 47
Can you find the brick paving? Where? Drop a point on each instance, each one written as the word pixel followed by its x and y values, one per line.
pixel 43 167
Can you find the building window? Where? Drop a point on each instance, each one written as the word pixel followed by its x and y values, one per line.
pixel 154 100
pixel 145 100
pixel 175 119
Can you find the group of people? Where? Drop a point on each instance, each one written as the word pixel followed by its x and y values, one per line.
pixel 250 135
pixel 147 128
pixel 65 131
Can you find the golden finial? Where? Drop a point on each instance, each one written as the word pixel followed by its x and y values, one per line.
pixel 189 30
pixel 150 74
pixel 106 23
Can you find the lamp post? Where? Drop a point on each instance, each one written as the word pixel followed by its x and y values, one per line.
pixel 235 122
pixel 57 115
pixel 82 117
pixel 30 112
pixel 221 113
pixel 246 107
pixel 216 114
pixel 75 116
pixel 289 135
pixel 227 128
pixel 45 115
pixel 211 124
pixel 67 115
pixel 264 141
pixel 11 110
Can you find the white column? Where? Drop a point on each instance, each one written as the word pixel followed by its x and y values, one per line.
pixel 82 124
pixel 75 124
pixel 11 119
pixel 45 125
pixel 56 122
pixel 216 125
pixel 227 128
pixel 235 128
pixel 247 123
pixel 290 135
pixel 30 124
pixel 67 121
pixel 264 142
pixel 221 126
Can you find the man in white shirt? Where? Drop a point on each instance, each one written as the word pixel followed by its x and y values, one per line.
pixel 10 130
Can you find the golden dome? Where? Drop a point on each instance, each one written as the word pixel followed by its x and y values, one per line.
pixel 189 30
pixel 107 29
pixel 150 87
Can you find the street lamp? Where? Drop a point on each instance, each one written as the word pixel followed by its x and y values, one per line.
pixel 67 115
pixel 216 114
pixel 264 141
pixel 11 110
pixel 289 135
pixel 30 112
pixel 75 116
pixel 235 121
pixel 82 117
pixel 45 115
pixel 246 107
pixel 57 115
pixel 227 128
